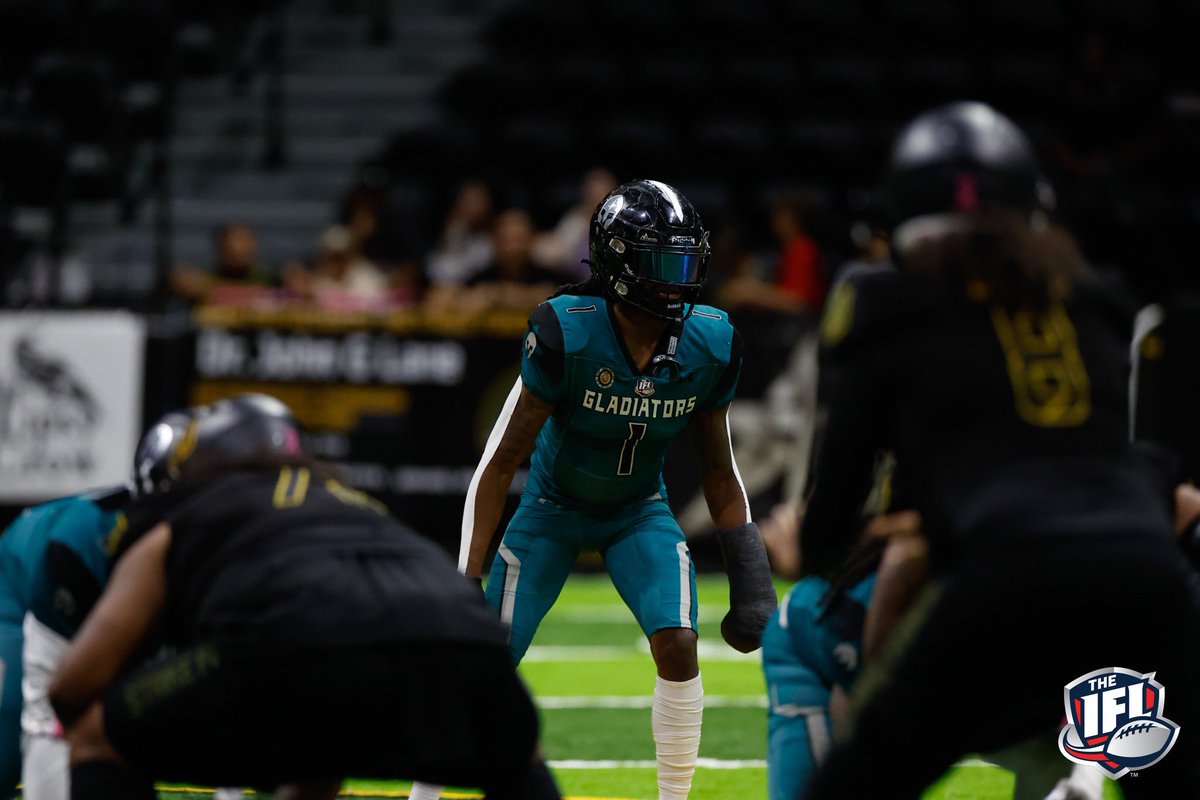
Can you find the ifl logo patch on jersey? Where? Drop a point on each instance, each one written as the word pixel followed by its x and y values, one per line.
pixel 645 387
pixel 1115 721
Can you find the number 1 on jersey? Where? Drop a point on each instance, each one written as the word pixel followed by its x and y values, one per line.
pixel 637 432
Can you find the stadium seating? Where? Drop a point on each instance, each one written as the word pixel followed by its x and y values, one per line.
pixel 751 93
pixel 757 92
pixel 85 94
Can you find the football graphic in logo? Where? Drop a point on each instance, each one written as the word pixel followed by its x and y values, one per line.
pixel 1114 720
pixel 645 387
pixel 1139 741
pixel 604 377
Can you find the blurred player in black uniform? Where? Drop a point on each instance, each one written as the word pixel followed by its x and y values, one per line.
pixel 308 625
pixel 994 367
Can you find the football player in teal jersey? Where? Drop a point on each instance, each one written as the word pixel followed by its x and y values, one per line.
pixel 54 560
pixel 611 371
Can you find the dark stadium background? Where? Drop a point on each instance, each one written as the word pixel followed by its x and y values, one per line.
pixel 130 130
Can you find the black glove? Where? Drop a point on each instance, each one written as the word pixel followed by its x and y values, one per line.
pixel 751 593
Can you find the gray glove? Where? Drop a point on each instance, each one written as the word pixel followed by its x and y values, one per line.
pixel 751 594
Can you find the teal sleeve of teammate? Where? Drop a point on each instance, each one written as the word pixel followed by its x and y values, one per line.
pixel 807 650
pixel 53 564
pixel 68 572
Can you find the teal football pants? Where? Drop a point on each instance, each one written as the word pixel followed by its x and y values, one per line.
pixel 643 550
pixel 805 653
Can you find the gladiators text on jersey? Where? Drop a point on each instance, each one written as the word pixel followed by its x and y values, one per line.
pixel 629 406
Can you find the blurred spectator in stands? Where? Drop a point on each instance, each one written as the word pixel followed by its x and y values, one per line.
pixel 387 244
pixel 563 248
pixel 341 276
pixel 799 273
pixel 1109 129
pixel 870 244
pixel 511 280
pixel 799 280
pixel 1109 114
pixel 735 272
pixel 235 265
pixel 466 245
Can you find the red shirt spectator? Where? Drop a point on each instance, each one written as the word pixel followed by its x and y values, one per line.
pixel 799 273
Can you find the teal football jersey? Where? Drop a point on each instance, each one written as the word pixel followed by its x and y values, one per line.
pixel 74 532
pixel 603 447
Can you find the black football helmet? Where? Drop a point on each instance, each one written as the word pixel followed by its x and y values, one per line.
pixel 200 442
pixel 956 159
pixel 153 471
pixel 648 247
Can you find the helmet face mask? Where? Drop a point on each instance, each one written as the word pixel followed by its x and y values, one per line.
pixel 649 249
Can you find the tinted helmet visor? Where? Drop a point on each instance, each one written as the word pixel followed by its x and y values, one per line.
pixel 667 266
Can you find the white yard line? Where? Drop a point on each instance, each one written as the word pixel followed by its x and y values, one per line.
pixel 645 701
pixel 702 763
pixel 616 612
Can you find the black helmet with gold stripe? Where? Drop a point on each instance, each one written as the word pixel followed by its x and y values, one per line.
pixel 199 442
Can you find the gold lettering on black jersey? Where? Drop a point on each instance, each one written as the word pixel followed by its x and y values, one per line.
pixel 353 497
pixel 1050 384
pixel 115 534
pixel 292 487
pixel 839 315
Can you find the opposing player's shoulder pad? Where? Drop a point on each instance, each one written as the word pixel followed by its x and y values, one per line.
pixel 867 298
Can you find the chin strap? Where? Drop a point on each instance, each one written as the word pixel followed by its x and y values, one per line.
pixel 666 361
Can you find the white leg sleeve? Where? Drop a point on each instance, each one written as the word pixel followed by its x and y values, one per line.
pixel 44 769
pixel 42 651
pixel 675 720
pixel 424 791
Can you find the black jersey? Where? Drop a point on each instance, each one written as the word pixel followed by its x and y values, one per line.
pixel 286 559
pixel 1005 422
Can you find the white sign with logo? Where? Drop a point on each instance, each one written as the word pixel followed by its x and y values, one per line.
pixel 70 401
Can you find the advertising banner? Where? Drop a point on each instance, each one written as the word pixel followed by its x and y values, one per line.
pixel 70 401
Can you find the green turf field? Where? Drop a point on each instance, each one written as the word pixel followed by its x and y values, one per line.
pixel 590 670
